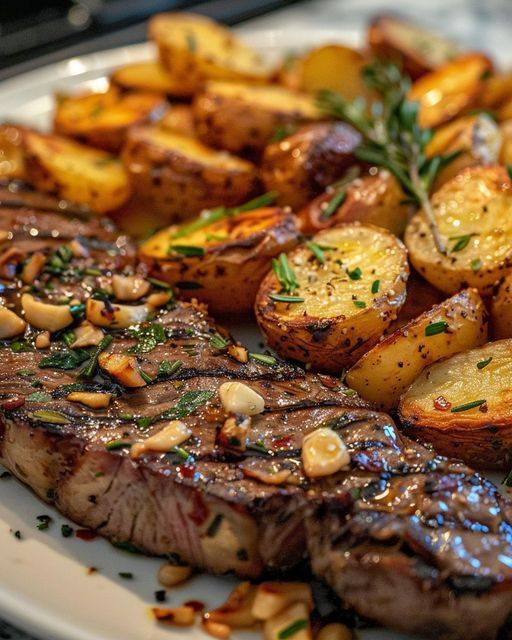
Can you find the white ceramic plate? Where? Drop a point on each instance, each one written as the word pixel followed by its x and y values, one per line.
pixel 45 586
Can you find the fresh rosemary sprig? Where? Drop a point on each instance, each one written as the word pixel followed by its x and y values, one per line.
pixel 392 136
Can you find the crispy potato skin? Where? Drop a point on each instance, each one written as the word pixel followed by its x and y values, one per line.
pixel 501 310
pixel 374 199
pixel 243 118
pixel 179 185
pixel 72 171
pixel 12 153
pixel 417 50
pixel 477 201
pixel 481 436
pixel 444 93
pixel 179 118
pixel 103 119
pixel 335 340
pixel 231 270
pixel 305 163
pixel 387 370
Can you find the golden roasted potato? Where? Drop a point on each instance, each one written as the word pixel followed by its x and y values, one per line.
pixel 472 212
pixel 506 142
pixel 221 263
pixel 179 118
pixel 386 371
pixel 505 111
pixel 501 310
pixel 496 91
pixel 75 172
pixel 178 176
pixel 375 199
pixel 477 138
pixel 414 48
pixel 463 406
pixel 444 93
pixel 330 301
pixel 102 119
pixel 150 76
pixel 302 165
pixel 241 117
pixel 194 48
pixel 12 153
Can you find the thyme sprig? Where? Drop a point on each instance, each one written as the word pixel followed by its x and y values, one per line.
pixel 392 136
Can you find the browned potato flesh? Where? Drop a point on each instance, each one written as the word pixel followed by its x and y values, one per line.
pixel 148 76
pixel 472 212
pixel 344 300
pixel 302 165
pixel 463 406
pixel 178 176
pixel 222 263
pixel 241 117
pixel 501 310
pixel 386 371
pixel 179 118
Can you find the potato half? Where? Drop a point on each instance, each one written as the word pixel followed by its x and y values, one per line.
pixel 463 406
pixel 75 172
pixel 179 118
pixel 102 119
pixel 345 299
pixel 386 371
pixel 472 211
pixel 12 153
pixel 148 76
pixel 444 93
pixel 178 176
pixel 302 165
pixel 241 117
pixel 501 310
pixel 224 262
pixel 194 48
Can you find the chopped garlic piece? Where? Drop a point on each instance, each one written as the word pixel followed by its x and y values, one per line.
pixel 237 397
pixel 42 315
pixel 42 340
pixel 91 399
pixel 117 316
pixel 170 575
pixel 33 267
pixel 87 335
pixel 129 288
pixel 123 368
pixel 10 324
pixel 172 435
pixel 323 453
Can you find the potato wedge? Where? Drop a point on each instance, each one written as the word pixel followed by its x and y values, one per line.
pixel 224 262
pixel 302 165
pixel 463 406
pixel 505 111
pixel 102 119
pixel 375 199
pixel 497 90
pixel 75 172
pixel 501 310
pixel 149 76
pixel 444 93
pixel 179 118
pixel 472 212
pixel 345 300
pixel 178 176
pixel 244 118
pixel 386 371
pixel 416 49
pixel 194 48
pixel 506 142
pixel 12 154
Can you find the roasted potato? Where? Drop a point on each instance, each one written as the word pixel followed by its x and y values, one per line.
pixel 102 119
pixel 376 199
pixel 472 212
pixel 302 165
pixel 150 76
pixel 178 176
pixel 496 91
pixel 240 117
pixel 12 153
pixel 501 310
pixel 386 371
pixel 506 142
pixel 444 93
pixel 179 118
pixel 194 49
pixel 222 263
pixel 414 48
pixel 477 138
pixel 505 111
pixel 331 301
pixel 75 172
pixel 463 406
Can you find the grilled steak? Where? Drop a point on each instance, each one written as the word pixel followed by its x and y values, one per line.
pixel 415 541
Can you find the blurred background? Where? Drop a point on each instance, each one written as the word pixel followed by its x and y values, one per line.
pixel 36 32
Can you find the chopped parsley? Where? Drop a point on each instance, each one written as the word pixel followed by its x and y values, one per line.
pixel 375 286
pixel 126 575
pixel 148 335
pixel 38 396
pixel 360 304
pixel 66 531
pixel 65 359
pixel 434 328
pixel 44 522
pixel 483 363
pixel 355 274
pixel 167 368
pixel 476 265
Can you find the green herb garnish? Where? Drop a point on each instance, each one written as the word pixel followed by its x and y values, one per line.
pixel 317 251
pixel 50 416
pixel 461 241
pixel 148 335
pixel 292 629
pixel 186 250
pixel 38 396
pixel 187 404
pixel 375 286
pixel 355 274
pixel 467 406
pixel 167 368
pixel 66 531
pixel 285 274
pixel 334 203
pixel 113 445
pixel 483 363
pixel 263 358
pixel 476 265
pixel 360 304
pixel 434 328
pixel 218 342
pixel 25 373
pixel 213 528
pixel 288 299
pixel 65 359
pixel 89 369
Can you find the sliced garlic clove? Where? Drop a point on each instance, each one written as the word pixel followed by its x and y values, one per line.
pixel 184 616
pixel 78 249
pixel 273 597
pixel 117 316
pixel 237 610
pixel 123 368
pixel 42 340
pixel 237 397
pixel 296 615
pixel 239 353
pixel 216 629
pixel 323 453
pixel 158 299
pixel 129 288
pixel 33 267
pixel 10 324
pixel 51 317
pixel 170 575
pixel 86 335
pixel 172 435
pixel 95 400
